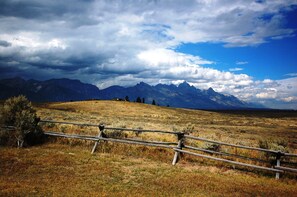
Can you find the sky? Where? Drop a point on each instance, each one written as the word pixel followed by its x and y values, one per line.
pixel 246 48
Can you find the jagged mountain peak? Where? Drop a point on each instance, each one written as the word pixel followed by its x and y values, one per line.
pixel 161 85
pixel 187 89
pixel 184 84
pixel 210 90
pixel 183 96
pixel 142 84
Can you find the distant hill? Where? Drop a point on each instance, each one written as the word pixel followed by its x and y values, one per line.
pixel 182 96
pixel 50 90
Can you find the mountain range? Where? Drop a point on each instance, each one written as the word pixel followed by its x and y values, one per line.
pixel 181 96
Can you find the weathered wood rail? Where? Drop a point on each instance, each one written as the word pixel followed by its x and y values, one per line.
pixel 179 146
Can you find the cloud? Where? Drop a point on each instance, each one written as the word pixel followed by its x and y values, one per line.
pixel 241 63
pixel 4 43
pixel 235 69
pixel 291 74
pixel 267 95
pixel 289 99
pixel 269 92
pixel 157 57
pixel 123 42
pixel 167 66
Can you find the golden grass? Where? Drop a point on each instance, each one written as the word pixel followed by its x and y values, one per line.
pixel 65 169
pixel 62 170
pixel 245 129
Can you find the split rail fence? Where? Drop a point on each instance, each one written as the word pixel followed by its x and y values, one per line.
pixel 180 146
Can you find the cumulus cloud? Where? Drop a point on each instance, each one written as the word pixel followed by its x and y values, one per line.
pixel 123 42
pixel 269 92
pixel 289 99
pixel 158 57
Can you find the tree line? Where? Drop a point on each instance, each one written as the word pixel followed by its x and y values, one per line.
pixel 138 100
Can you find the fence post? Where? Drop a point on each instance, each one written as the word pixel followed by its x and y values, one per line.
pixel 101 130
pixel 180 137
pixel 278 157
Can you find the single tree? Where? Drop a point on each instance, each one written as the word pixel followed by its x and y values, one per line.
pixel 127 98
pixel 143 101
pixel 138 100
pixel 154 102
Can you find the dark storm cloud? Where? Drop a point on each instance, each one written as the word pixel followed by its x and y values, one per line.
pixel 73 12
pixel 108 42
pixel 4 68
pixel 45 9
pixel 4 43
pixel 55 67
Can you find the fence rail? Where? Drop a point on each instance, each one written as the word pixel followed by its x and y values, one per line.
pixel 234 145
pixel 94 138
pixel 229 161
pixel 71 123
pixel 111 128
pixel 286 168
pixel 225 154
pixel 178 146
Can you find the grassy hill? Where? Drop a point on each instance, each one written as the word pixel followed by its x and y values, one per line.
pixel 66 167
pixel 240 127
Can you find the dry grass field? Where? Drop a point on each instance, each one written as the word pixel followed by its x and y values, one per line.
pixel 245 128
pixel 62 170
pixel 65 167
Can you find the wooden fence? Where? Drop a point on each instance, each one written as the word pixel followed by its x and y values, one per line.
pixel 180 146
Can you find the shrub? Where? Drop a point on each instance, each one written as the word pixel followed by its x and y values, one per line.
pixel 213 147
pixel 273 144
pixel 189 129
pixel 19 113
pixel 115 134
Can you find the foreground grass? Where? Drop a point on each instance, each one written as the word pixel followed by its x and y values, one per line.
pixel 63 170
pixel 66 167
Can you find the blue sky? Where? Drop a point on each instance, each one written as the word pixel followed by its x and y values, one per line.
pixel 274 60
pixel 246 48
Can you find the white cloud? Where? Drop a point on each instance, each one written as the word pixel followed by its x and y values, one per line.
pixel 158 57
pixel 289 99
pixel 235 69
pixel 269 92
pixel 267 81
pixel 241 63
pixel 168 66
pixel 291 74
pixel 56 43
pixel 266 95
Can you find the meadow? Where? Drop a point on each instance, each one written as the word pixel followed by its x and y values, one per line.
pixel 238 127
pixel 65 167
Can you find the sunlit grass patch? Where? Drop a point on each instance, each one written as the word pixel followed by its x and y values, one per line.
pixel 62 170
